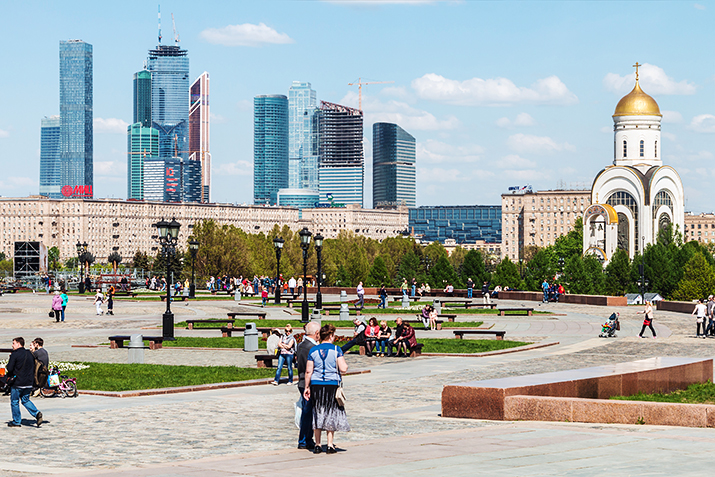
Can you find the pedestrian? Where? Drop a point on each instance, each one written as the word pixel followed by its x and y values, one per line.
pixel 545 289
pixel 264 296
pixel 57 305
pixel 485 293
pixel 110 300
pixel 647 319
pixel 414 287
pixel 403 287
pixel 323 377
pixel 711 310
pixel 98 300
pixel 65 299
pixel 470 287
pixel 700 313
pixel 310 339
pixel 41 355
pixel 286 347
pixel 291 285
pixel 21 366
pixel 383 297
pixel 361 297
pixel 299 284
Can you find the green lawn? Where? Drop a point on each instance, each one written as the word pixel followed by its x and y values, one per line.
pixel 298 325
pixel 695 394
pixel 126 377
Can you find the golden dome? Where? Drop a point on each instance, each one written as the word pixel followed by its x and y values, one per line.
pixel 637 103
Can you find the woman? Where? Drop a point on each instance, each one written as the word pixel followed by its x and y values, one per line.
pixel 700 313
pixel 98 300
pixel 426 311
pixel 65 299
pixel 432 319
pixel 323 373
pixel 383 338
pixel 648 319
pixel 286 347
pixel 407 340
pixel 57 305
pixel 372 331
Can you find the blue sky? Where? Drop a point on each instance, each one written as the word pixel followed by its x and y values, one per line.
pixel 496 93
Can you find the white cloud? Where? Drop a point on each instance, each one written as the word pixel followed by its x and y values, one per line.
pixel 110 125
pixel 494 91
pixel 672 117
pixel 698 6
pixel 703 123
pixel 109 169
pixel 398 112
pixel 437 152
pixel 246 34
pixel 238 168
pixel 527 143
pixel 522 119
pixel 653 80
pixel 398 92
pixel 217 118
pixel 4 133
pixel 514 161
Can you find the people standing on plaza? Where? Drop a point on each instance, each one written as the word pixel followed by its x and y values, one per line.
pixel 264 295
pixel 700 313
pixel 647 319
pixel 286 348
pixel 310 339
pixel 57 305
pixel 110 300
pixel 383 297
pixel 98 300
pixel 21 366
pixel 291 285
pixel 486 297
pixel 361 297
pixel 323 376
pixel 383 339
pixel 40 354
pixel 299 284
pixel 403 287
pixel 88 284
pixel 65 299
pixel 470 287
pixel 545 289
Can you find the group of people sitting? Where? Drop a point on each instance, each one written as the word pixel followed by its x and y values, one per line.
pixel 552 292
pixel 380 340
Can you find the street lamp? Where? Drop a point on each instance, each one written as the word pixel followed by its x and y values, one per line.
pixel 278 245
pixel 561 264
pixel 194 248
pixel 304 244
pixel 168 237
pixel 318 249
pixel 81 251
pixel 643 283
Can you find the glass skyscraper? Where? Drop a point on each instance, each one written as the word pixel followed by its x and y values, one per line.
pixel 142 144
pixel 76 129
pixel 199 122
pixel 465 224
pixel 142 98
pixel 50 179
pixel 270 147
pixel 301 108
pixel 393 166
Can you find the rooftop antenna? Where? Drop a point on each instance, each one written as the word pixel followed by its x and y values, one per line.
pixel 176 35
pixel 160 24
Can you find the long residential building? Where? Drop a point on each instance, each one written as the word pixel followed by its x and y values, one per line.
pixel 700 227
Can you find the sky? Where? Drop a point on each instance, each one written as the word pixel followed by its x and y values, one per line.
pixel 497 94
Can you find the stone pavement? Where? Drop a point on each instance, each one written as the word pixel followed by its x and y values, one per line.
pixel 393 411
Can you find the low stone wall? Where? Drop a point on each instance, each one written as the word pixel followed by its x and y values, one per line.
pixel 598 300
pixel 676 306
pixel 540 408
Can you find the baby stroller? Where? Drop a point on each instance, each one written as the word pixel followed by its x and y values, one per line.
pixel 610 327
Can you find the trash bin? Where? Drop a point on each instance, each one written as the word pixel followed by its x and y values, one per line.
pixel 343 296
pixel 437 306
pixel 405 301
pixel 344 312
pixel 250 337
pixel 315 316
pixel 136 349
pixel 237 295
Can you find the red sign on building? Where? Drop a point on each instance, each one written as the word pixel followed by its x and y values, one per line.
pixel 77 191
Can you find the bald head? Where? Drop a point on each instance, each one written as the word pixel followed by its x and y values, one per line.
pixel 312 329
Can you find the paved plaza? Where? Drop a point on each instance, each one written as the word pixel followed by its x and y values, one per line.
pixel 394 410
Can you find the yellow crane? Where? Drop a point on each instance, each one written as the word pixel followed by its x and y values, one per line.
pixel 359 85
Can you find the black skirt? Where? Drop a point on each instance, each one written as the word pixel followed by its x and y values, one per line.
pixel 327 414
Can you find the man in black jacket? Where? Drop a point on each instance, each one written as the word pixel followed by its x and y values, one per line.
pixel 310 339
pixel 22 366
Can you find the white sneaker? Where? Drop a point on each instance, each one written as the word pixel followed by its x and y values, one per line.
pixel 274 383
pixel 290 384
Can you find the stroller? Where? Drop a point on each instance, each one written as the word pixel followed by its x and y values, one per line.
pixel 610 327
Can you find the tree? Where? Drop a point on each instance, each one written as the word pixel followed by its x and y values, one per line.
pixel 342 279
pixel 507 275
pixel 594 271
pixel 618 276
pixel 409 268
pixel 378 273
pixel 141 260
pixel 442 274
pixel 115 259
pixel 571 244
pixel 53 258
pixel 575 276
pixel 539 268
pixel 473 267
pixel 698 279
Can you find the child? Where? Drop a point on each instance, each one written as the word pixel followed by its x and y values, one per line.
pixel 264 295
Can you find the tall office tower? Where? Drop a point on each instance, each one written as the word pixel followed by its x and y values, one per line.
pixel 341 172
pixel 199 132
pixel 162 179
pixel 270 147
pixel 76 130
pixel 142 144
pixel 191 186
pixel 301 108
pixel 393 167
pixel 50 180
pixel 169 67
pixel 142 98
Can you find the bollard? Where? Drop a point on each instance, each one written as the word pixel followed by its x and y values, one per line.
pixel 344 312
pixel 405 301
pixel 437 306
pixel 237 295
pixel 343 296
pixel 316 316
pixel 136 350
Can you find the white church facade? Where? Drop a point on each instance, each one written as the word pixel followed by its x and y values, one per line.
pixel 636 196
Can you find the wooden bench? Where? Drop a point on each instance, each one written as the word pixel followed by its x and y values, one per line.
pixel 127 293
pixel 260 314
pixel 228 322
pixel 414 351
pixel 420 322
pixel 226 331
pixel 514 311
pixel 290 301
pixel 485 305
pixel 460 333
pixel 175 297
pixel 265 360
pixel 155 342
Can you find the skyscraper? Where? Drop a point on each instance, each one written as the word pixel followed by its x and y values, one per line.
pixel 162 179
pixel 301 108
pixel 142 144
pixel 341 172
pixel 270 147
pixel 199 132
pixel 50 180
pixel 76 129
pixel 393 166
pixel 142 98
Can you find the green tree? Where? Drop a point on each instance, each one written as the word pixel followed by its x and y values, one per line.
pixel 6 267
pixel 618 274
pixel 507 275
pixel 378 273
pixel 141 260
pixel 571 244
pixel 473 267
pixel 53 258
pixel 575 276
pixel 442 274
pixel 409 268
pixel 342 278
pixel 594 270
pixel 539 268
pixel 698 279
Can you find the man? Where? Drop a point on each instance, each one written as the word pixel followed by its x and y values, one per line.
pixel 406 340
pixel 399 329
pixel 414 287
pixel 310 339
pixel 711 309
pixel 361 296
pixel 41 355
pixel 383 297
pixel 485 293
pixel 291 285
pixel 545 288
pixel 358 336
pixel 22 366
pixel 470 287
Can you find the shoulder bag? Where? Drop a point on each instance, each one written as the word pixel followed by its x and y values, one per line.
pixel 340 392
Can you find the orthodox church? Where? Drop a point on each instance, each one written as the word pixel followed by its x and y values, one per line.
pixel 635 197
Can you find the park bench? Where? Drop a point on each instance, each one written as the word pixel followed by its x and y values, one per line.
pixel 174 298
pixel 155 342
pixel 298 299
pixel 266 360
pixel 226 331
pixel 460 333
pixel 485 305
pixel 399 298
pixel 260 314
pixel 127 293
pixel 514 311
pixel 228 322
pixel 420 322
pixel 414 351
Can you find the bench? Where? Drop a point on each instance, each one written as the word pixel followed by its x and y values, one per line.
pixel 290 301
pixel 118 341
pixel 514 311
pixel 174 298
pixel 260 314
pixel 420 322
pixel 490 305
pixel 460 333
pixel 265 360
pixel 226 331
pixel 414 351
pixel 228 322
pixel 127 293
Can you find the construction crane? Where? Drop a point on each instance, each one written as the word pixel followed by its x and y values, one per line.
pixel 176 35
pixel 359 85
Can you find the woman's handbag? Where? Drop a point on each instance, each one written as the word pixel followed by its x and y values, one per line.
pixel 52 313
pixel 340 395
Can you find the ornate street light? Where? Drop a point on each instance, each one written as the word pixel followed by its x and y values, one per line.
pixel 81 256
pixel 304 244
pixel 194 248
pixel 278 245
pixel 642 283
pixel 168 237
pixel 318 249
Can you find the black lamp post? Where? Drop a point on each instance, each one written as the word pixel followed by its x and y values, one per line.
pixel 168 237
pixel 304 244
pixel 81 251
pixel 194 248
pixel 521 268
pixel 318 249
pixel 278 245
pixel 642 283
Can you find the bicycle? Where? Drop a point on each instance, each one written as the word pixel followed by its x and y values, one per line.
pixel 66 388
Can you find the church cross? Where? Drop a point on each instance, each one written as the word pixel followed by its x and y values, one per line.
pixel 636 66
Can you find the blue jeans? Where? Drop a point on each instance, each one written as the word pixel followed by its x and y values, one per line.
pixel 384 302
pixel 63 312
pixel 382 344
pixel 414 288
pixel 546 296
pixel 18 395
pixel 288 360
pixel 469 293
pixel 305 435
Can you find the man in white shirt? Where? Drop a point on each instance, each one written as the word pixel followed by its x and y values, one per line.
pixel 361 296
pixel 291 285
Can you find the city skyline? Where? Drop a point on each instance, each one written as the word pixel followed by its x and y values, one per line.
pixel 494 95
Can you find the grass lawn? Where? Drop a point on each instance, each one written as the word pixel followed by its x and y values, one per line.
pixel 129 377
pixel 298 325
pixel 695 394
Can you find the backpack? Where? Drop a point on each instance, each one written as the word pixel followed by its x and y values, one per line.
pixel 41 373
